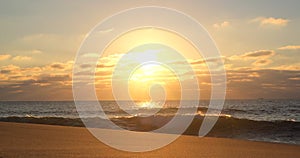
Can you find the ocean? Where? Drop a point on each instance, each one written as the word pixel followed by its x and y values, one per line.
pixel 258 120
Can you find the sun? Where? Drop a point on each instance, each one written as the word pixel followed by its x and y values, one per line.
pixel 150 82
pixel 148 73
pixel 147 80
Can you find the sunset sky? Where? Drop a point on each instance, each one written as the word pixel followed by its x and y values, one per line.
pixel 259 42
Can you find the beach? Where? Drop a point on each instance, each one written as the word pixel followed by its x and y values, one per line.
pixel 166 79
pixel 35 140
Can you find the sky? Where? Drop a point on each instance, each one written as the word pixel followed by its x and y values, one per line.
pixel 258 40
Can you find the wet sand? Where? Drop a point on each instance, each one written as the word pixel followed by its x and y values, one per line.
pixel 34 140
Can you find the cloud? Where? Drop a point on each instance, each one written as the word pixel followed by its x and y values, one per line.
pixel 57 66
pixel 266 83
pixel 36 51
pixel 262 62
pixel 290 67
pixel 290 47
pixel 221 25
pixel 53 81
pixel 54 78
pixel 105 31
pixel 21 58
pixel 259 53
pixel 255 58
pixel 5 57
pixel 85 66
pixel 295 78
pixel 5 71
pixel 47 82
pixel 251 55
pixel 271 21
pixel 30 51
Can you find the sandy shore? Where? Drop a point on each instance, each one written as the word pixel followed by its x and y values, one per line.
pixel 33 140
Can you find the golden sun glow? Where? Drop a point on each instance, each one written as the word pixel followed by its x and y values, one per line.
pixel 145 78
pixel 134 38
pixel 144 81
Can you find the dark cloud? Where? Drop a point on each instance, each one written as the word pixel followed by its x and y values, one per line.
pixel 202 61
pixel 84 66
pixel 52 78
pixel 265 83
pixel 260 53
pixel 57 66
pixel 5 71
pixel 84 73
pixel 32 89
pixel 104 66
pixel 262 62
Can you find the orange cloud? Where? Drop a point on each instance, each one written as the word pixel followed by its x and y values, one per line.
pixel 259 54
pixel 48 82
pixel 245 73
pixel 290 47
pixel 255 55
pixel 21 58
pixel 262 62
pixel 263 21
pixel 221 25
pixel 4 57
pixel 36 51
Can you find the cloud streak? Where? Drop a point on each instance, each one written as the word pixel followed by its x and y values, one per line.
pixel 271 21
pixel 5 57
pixel 221 25
pixel 290 47
pixel 259 53
pixel 249 71
pixel 262 62
pixel 21 58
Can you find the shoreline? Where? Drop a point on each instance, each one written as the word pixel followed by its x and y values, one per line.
pixel 225 127
pixel 37 140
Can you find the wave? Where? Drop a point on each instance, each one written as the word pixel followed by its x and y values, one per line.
pixel 227 127
pixel 45 120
